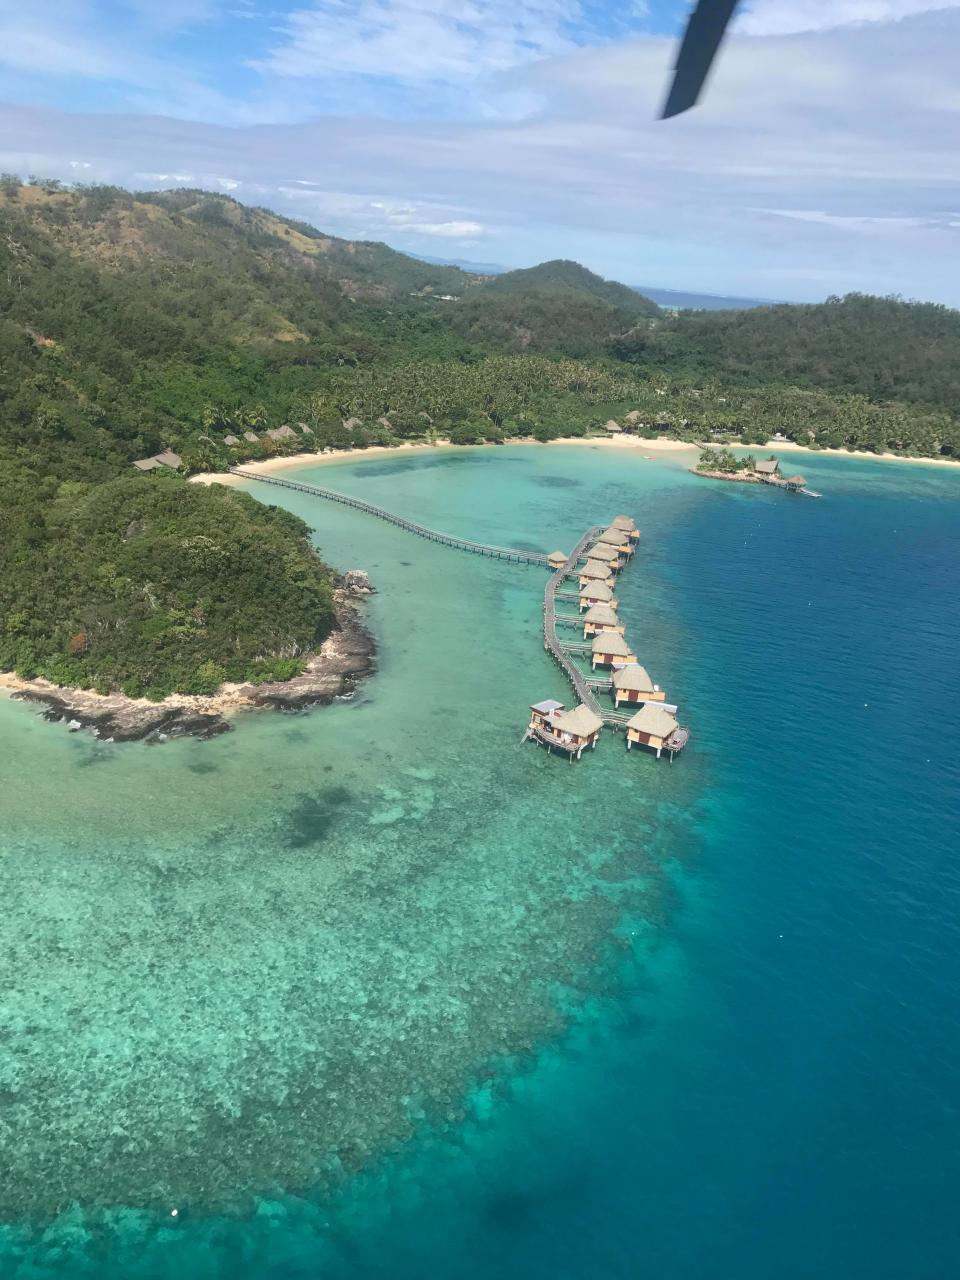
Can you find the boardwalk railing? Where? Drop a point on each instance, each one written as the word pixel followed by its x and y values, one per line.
pixel 445 539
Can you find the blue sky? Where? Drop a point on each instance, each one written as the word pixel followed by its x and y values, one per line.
pixel 825 156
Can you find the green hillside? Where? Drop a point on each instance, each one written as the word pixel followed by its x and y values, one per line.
pixel 131 324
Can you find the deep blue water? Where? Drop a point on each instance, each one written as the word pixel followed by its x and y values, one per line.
pixel 779 1093
pixel 772 1088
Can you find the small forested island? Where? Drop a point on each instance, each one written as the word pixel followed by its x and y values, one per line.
pixel 723 464
pixel 147 336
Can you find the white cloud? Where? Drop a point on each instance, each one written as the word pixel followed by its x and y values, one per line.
pixel 786 17
pixel 824 161
pixel 420 41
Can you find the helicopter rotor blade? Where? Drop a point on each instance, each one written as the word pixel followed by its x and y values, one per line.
pixel 705 30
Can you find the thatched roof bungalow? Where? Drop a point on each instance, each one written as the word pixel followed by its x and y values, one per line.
pixel 252 437
pixel 627 525
pixel 595 571
pixel 767 467
pixel 231 440
pixel 282 433
pixel 603 553
pixel 610 649
pixel 167 458
pixel 633 684
pixel 557 559
pixel 598 618
pixel 651 727
pixel 596 592
pixel 569 731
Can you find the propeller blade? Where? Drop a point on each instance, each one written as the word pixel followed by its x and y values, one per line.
pixel 701 40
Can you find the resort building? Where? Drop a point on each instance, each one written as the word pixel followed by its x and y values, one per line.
pixel 231 440
pixel 600 618
pixel 597 593
pixel 618 538
pixel 557 559
pixel 282 433
pixel 165 459
pixel 252 437
pixel 796 483
pixel 767 468
pixel 655 728
pixel 595 571
pixel 569 731
pixel 607 555
pixel 610 649
pixel 627 525
pixel 633 684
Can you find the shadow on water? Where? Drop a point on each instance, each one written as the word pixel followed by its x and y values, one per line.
pixel 557 482
pixel 203 766
pixel 313 817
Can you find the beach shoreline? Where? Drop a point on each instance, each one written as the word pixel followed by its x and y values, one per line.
pixel 347 656
pixel 649 448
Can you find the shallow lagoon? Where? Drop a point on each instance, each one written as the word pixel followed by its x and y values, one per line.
pixel 378 988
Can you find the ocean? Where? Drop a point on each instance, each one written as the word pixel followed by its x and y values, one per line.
pixel 380 991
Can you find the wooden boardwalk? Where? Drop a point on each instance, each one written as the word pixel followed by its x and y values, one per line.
pixel 510 554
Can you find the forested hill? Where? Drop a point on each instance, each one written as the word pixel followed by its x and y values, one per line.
pixel 882 348
pixel 184 321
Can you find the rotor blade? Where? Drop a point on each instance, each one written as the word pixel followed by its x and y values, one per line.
pixel 701 40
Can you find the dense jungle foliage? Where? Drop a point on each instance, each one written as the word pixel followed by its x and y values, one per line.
pixel 151 585
pixel 133 323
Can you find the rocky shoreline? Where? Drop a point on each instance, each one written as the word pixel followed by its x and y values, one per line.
pixel 346 657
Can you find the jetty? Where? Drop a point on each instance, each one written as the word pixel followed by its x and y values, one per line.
pixel 511 554
pixel 602 644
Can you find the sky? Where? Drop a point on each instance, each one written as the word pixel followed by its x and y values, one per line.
pixel 824 157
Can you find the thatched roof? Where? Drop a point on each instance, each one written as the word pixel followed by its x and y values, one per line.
pixel 622 522
pixel 615 537
pixel 601 615
pixel 603 553
pixel 653 719
pixel 252 437
pixel 169 458
pixel 797 480
pixel 767 466
pixel 147 464
pixel 595 569
pixel 282 433
pixel 633 677
pixel 596 591
pixel 557 557
pixel 612 425
pixel 613 643
pixel 633 415
pixel 547 705
pixel 230 440
pixel 307 431
pixel 581 721
pixel 350 423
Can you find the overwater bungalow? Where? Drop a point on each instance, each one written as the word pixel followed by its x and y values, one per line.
pixel 596 592
pixel 605 554
pixel 633 684
pixel 557 559
pixel 627 525
pixel 600 618
pixel 609 649
pixel 595 571
pixel 618 538
pixel 569 731
pixel 795 483
pixel 656 728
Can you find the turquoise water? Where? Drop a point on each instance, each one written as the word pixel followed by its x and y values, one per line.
pixel 378 990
